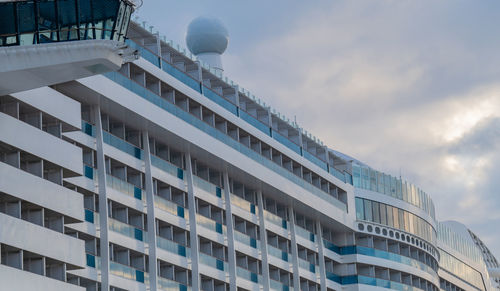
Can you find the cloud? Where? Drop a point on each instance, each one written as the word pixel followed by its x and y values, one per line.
pixel 406 87
pixel 409 87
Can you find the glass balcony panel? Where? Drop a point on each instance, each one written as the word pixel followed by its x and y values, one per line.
pixel 278 286
pixel 173 247
pixel 211 224
pixel 125 229
pixel 144 52
pixel 274 219
pixel 248 275
pixel 91 216
pixel 207 186
pixel 288 143
pixel 275 252
pixel 93 261
pixel 122 145
pixel 166 166
pixel 307 266
pixel 256 123
pixel 305 233
pixel 180 75
pixel 124 187
pixel 332 277
pixel 213 262
pixel 244 204
pixel 128 272
pixel 169 285
pixel 249 241
pixel 171 207
pixel 220 100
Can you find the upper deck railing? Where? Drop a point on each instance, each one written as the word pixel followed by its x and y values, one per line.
pixel 200 77
pixel 36 22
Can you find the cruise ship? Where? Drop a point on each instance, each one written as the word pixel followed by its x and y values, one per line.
pixel 129 163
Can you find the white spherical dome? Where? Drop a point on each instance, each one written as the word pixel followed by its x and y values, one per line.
pixel 207 35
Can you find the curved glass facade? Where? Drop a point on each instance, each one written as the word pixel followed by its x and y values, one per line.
pixel 45 21
pixel 394 217
pixel 457 242
pixel 369 179
pixel 461 270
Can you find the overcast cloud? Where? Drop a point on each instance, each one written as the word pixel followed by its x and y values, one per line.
pixel 409 87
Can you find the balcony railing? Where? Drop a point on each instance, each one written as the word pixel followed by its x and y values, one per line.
pixel 278 286
pixel 307 265
pixel 248 275
pixel 213 262
pixel 249 241
pixel 171 207
pixel 167 167
pixel 173 247
pixel 128 272
pixel 126 229
pixel 275 219
pixel 305 233
pixel 243 204
pixel 124 187
pixel 277 253
pixel 207 186
pixel 211 224
pixel 169 285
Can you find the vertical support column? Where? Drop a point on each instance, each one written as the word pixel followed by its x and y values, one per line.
pixel 295 257
pixel 103 200
pixel 263 242
pixel 151 222
pixel 322 269
pixel 230 234
pixel 193 234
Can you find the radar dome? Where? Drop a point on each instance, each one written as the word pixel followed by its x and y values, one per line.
pixel 207 35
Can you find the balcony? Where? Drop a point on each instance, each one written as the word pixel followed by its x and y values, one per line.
pixel 173 247
pixel 128 272
pixel 167 167
pixel 171 207
pixel 211 224
pixel 124 187
pixel 243 204
pixel 247 240
pixel 207 186
pixel 213 262
pixel 126 229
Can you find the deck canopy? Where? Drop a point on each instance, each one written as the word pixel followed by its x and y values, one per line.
pixel 45 21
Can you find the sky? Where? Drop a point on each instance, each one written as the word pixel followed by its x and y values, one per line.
pixel 407 87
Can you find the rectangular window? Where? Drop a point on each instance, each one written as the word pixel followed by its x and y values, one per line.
pixel 368 210
pixel 383 214
pixel 390 221
pixel 373 180
pixel 380 181
pixel 387 184
pixel 401 219
pixel 395 217
pixel 365 176
pixel 360 213
pixel 376 212
pixel 393 187
pixel 399 194
pixel 356 176
pixel 407 221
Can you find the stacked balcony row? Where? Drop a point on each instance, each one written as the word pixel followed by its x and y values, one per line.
pixel 258 148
